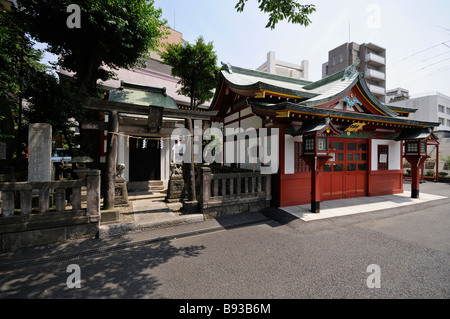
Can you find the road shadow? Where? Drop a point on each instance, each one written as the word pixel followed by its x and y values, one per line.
pixel 118 271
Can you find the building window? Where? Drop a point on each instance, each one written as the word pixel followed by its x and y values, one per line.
pixel 333 60
pixel 309 144
pixel 448 122
pixel 341 57
pixel 441 108
pixel 411 147
pixel 448 110
pixel 442 121
pixel 383 151
pixel 300 164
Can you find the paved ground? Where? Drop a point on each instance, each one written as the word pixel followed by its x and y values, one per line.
pixel 148 214
pixel 292 258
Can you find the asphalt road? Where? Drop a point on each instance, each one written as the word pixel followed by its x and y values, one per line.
pixel 270 260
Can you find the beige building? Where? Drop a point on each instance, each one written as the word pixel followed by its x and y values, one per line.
pixel 274 66
pixel 372 64
pixel 173 37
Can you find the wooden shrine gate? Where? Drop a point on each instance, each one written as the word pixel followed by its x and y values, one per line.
pixel 345 173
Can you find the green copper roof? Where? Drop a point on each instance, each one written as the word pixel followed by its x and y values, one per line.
pixel 248 80
pixel 136 94
pixel 313 94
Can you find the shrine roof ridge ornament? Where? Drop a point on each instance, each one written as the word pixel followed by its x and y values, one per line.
pixel 351 102
pixel 350 70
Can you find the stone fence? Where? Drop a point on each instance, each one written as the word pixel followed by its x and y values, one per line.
pixel 36 213
pixel 233 193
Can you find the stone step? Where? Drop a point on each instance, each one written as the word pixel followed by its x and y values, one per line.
pixel 146 186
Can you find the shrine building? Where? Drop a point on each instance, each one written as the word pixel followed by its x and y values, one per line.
pixel 336 140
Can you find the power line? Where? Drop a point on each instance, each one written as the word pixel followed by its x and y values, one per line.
pixel 432 64
pixel 435 56
pixel 434 46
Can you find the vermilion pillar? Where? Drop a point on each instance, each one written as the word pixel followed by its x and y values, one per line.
pixel 316 164
pixel 416 162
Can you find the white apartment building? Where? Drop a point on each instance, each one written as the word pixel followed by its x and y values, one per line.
pixel 432 107
pixel 292 70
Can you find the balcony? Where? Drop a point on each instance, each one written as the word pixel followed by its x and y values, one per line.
pixel 375 89
pixel 375 59
pixel 374 75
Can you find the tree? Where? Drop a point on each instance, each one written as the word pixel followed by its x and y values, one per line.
pixel 93 38
pixel 282 9
pixel 110 34
pixel 49 102
pixel 18 62
pixel 196 66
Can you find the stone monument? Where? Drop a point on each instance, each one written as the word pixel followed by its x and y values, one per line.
pixel 40 152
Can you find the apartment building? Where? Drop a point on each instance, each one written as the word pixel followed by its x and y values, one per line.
pixel 397 94
pixel 292 70
pixel 372 64
pixel 432 107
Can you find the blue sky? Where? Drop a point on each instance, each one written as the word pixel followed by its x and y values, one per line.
pixel 416 35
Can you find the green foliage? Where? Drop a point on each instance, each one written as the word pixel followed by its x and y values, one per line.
pixel 282 9
pixel 430 172
pixel 113 34
pixel 443 174
pixel 446 162
pixel 49 102
pixel 18 58
pixel 18 62
pixel 196 66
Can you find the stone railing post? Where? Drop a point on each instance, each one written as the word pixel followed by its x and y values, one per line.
pixel 8 203
pixel 268 186
pixel 93 192
pixel 206 184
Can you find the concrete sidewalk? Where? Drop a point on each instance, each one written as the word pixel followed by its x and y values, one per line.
pixel 349 206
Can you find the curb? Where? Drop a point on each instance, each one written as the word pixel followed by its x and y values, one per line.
pixel 286 218
pixel 167 234
pixel 112 230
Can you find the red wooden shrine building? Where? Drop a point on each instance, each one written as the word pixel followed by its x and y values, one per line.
pixel 336 140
